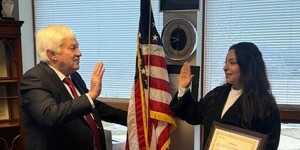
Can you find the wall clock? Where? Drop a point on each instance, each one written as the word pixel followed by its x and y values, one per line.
pixel 179 38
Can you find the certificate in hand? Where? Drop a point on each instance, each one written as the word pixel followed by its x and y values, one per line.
pixel 228 137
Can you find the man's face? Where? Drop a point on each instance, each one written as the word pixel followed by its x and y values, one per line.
pixel 69 56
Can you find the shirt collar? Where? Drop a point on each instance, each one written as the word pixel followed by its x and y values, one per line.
pixel 239 92
pixel 60 74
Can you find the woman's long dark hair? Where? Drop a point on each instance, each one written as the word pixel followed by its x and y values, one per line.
pixel 257 100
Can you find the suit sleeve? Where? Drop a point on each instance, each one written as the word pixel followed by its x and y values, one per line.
pixel 105 112
pixel 186 108
pixel 47 103
pixel 190 110
pixel 111 114
pixel 272 126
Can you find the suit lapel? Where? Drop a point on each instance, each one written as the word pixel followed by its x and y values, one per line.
pixel 56 80
pixel 79 83
pixel 61 87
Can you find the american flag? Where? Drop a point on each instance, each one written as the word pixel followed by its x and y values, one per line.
pixel 150 120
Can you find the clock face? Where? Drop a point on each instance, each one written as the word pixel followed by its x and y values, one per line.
pixel 179 39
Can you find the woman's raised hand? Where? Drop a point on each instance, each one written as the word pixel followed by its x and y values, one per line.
pixel 185 77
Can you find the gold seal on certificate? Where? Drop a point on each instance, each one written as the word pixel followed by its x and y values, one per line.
pixel 224 136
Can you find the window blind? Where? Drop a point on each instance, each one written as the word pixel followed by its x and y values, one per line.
pixel 272 25
pixel 106 31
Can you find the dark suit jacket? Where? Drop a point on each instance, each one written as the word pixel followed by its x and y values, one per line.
pixel 52 120
pixel 210 108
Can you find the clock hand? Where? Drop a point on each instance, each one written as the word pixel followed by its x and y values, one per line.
pixel 177 44
pixel 175 39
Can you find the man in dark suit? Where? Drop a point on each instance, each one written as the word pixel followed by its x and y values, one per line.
pixel 55 115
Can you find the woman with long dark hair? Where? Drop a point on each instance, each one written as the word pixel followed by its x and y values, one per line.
pixel 245 100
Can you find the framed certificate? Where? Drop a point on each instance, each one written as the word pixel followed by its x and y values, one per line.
pixel 224 136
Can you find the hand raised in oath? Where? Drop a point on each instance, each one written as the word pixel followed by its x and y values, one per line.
pixel 185 77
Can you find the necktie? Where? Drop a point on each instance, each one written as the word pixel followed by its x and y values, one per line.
pixel 88 117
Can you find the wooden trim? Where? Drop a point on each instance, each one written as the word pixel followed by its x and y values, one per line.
pixel 290 116
pixel 117 103
pixel 289 113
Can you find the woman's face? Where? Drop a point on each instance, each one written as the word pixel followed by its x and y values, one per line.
pixel 232 69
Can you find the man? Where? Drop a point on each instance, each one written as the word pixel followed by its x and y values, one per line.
pixel 55 115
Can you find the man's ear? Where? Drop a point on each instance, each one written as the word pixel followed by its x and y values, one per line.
pixel 51 55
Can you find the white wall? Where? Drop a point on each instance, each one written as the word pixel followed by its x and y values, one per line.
pixel 24 12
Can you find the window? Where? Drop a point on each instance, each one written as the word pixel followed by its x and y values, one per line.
pixel 272 25
pixel 106 31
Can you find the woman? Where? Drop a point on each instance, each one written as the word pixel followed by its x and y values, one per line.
pixel 245 100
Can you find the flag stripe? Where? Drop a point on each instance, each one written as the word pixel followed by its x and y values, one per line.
pixel 155 61
pixel 160 84
pixel 150 119
pixel 139 114
pixel 156 50
pixel 158 72
pixel 164 140
pixel 160 107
